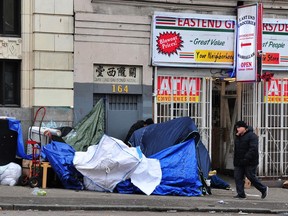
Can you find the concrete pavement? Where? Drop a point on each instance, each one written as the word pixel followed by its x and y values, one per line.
pixel 21 198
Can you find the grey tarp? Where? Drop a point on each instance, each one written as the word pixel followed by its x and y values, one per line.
pixel 89 130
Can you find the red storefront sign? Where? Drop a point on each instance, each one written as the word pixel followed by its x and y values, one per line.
pixel 276 91
pixel 178 89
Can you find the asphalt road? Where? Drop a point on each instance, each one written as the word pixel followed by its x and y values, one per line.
pixel 124 213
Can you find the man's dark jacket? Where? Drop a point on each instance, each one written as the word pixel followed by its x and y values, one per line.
pixel 246 149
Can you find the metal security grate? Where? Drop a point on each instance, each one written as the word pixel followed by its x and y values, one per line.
pixel 268 109
pixel 123 102
pixel 178 96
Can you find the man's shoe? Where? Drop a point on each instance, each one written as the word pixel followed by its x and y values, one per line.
pixel 265 193
pixel 239 197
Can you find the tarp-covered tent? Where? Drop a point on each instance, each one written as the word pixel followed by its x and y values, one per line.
pixel 88 131
pixel 176 144
pixel 157 137
pixel 103 170
pixel 112 161
pixel 103 166
pixel 180 174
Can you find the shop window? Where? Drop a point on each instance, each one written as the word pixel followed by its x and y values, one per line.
pixel 10 18
pixel 10 83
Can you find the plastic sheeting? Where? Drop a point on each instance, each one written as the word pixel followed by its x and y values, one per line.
pixel 60 155
pixel 15 125
pixel 88 131
pixel 156 137
pixel 217 182
pixel 112 161
pixel 179 172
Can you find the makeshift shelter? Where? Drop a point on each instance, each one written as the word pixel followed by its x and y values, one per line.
pixel 89 130
pixel 166 159
pixel 157 137
pixel 112 161
pixel 180 174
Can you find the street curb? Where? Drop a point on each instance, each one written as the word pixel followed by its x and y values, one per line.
pixel 42 207
pixel 4 206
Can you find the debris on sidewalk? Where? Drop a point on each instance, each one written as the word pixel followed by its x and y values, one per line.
pixel 39 192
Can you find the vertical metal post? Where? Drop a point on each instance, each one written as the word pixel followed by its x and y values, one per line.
pixel 171 100
pixel 210 118
pixel 254 105
pixel 239 99
pixel 258 127
pixel 203 100
pixel 265 131
pixel 155 95
pixel 282 130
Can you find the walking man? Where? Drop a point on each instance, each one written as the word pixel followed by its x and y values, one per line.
pixel 246 159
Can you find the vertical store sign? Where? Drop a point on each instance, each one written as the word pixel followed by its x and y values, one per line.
pixel 249 42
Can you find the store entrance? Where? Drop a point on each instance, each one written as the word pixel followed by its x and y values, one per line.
pixel 224 116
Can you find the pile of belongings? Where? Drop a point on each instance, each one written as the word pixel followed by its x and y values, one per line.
pixel 164 159
pixel 110 165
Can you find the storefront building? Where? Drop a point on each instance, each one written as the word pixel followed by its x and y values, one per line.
pixel 146 59
pixel 167 60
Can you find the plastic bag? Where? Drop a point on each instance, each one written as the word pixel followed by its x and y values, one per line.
pixel 10 173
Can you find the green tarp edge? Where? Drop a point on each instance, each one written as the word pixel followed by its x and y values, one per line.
pixel 89 130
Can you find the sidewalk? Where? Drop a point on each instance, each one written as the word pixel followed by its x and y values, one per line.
pixel 21 198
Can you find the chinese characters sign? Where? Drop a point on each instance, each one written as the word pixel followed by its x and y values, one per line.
pixel 189 40
pixel 178 89
pixel 117 74
pixel 276 91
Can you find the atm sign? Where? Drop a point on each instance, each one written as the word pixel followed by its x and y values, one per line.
pixel 178 89
pixel 277 91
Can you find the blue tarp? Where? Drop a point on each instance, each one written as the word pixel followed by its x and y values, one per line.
pixel 179 172
pixel 203 158
pixel 156 137
pixel 15 125
pixel 217 182
pixel 60 155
